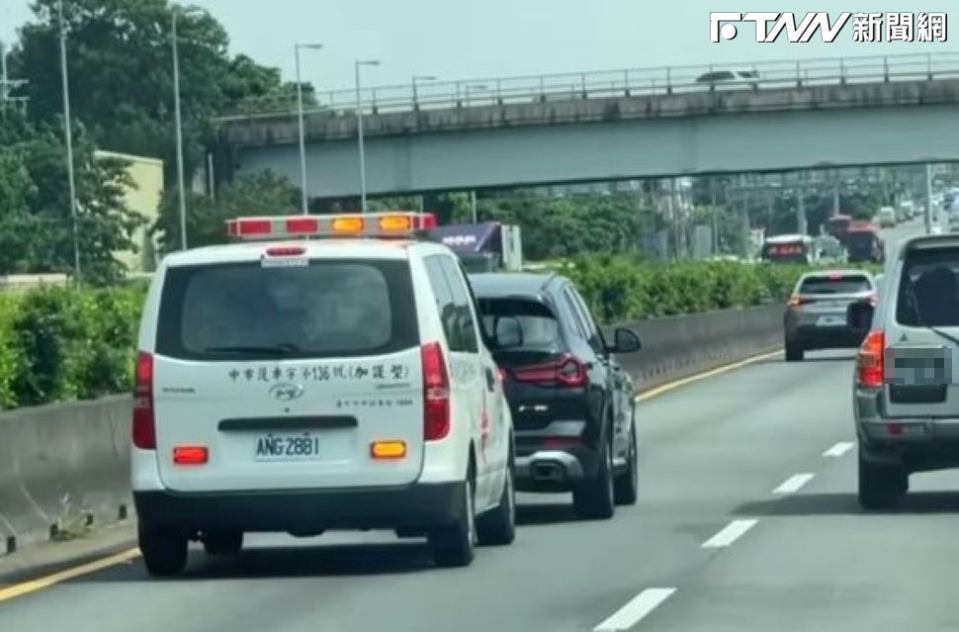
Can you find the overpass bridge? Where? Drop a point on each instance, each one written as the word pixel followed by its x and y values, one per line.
pixel 617 125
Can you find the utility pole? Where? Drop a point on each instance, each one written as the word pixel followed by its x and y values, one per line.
pixel 836 198
pixel 801 211
pixel 304 193
pixel 715 214
pixel 674 219
pixel 928 213
pixel 210 176
pixel 68 133
pixel 181 188
pixel 4 77
pixel 359 127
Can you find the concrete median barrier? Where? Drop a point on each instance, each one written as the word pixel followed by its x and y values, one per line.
pixel 680 346
pixel 65 467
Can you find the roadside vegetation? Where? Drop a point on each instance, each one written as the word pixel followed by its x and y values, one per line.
pixel 622 288
pixel 62 343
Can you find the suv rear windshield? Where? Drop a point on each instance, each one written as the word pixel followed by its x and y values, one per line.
pixel 328 308
pixel 849 284
pixel 538 327
pixel 929 292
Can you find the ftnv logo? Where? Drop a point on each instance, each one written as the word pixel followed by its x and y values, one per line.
pixel 867 27
pixel 795 33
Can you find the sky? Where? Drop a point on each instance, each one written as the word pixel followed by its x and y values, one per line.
pixel 481 39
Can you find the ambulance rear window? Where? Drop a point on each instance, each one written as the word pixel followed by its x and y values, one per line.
pixel 328 308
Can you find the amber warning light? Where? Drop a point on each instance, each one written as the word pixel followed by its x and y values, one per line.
pixel 371 225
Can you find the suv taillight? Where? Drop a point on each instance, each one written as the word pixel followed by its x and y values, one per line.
pixel 436 393
pixel 566 371
pixel 144 422
pixel 869 360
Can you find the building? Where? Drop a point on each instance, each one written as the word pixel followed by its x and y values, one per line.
pixel 142 198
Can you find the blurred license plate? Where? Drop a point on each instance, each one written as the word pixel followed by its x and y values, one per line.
pixel 921 366
pixel 831 321
pixel 287 447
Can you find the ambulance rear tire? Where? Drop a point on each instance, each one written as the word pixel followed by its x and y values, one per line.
pixel 164 551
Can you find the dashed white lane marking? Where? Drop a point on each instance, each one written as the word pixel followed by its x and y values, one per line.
pixel 794 483
pixel 730 533
pixel 636 610
pixel 839 449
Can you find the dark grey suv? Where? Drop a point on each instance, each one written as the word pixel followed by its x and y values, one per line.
pixel 815 316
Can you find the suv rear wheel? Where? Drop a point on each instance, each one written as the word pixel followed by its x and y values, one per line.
pixel 881 486
pixel 595 499
pixel 454 545
pixel 164 551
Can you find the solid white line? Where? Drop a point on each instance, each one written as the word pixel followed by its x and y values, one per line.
pixel 839 449
pixel 633 612
pixel 794 483
pixel 730 533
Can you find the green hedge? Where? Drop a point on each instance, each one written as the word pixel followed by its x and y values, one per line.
pixel 620 288
pixel 59 343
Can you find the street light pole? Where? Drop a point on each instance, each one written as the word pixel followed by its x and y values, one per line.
pixel 68 133
pixel 359 125
pixel 304 196
pixel 181 188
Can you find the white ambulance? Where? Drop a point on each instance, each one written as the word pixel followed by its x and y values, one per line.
pixel 324 373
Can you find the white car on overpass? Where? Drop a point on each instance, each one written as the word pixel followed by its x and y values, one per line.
pixel 730 78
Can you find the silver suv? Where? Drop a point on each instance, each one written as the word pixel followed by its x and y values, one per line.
pixel 815 316
pixel 906 402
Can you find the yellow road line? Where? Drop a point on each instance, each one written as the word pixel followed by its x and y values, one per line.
pixel 25 588
pixel 665 388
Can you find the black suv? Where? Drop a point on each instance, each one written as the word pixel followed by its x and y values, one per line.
pixel 572 405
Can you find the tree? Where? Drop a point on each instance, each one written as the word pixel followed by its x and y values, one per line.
pixel 732 234
pixel 36 226
pixel 566 227
pixel 121 76
pixel 264 193
pixel 16 190
pixel 860 205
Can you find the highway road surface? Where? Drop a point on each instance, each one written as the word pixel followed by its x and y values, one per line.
pixel 747 521
pixel 914 227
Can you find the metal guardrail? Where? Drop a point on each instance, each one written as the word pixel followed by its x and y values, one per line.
pixel 612 83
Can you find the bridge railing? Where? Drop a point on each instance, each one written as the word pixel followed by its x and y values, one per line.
pixel 614 83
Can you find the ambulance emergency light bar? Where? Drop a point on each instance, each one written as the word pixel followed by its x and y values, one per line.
pixel 391 224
